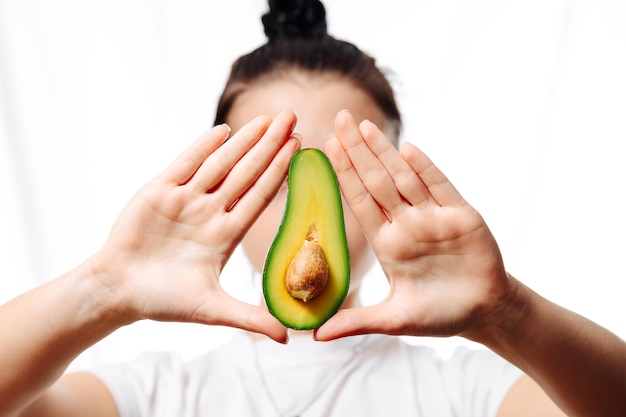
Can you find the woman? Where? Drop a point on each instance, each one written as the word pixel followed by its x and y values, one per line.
pixel 163 259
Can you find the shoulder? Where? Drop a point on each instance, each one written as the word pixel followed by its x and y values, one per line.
pixel 461 362
pixel 478 380
pixel 160 383
pixel 474 381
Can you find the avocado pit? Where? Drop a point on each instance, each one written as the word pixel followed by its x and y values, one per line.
pixel 307 273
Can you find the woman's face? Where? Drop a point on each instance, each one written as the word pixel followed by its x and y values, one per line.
pixel 316 99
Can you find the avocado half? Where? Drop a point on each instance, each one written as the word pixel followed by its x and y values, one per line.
pixel 313 203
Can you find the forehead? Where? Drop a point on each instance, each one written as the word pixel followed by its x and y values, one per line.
pixel 315 97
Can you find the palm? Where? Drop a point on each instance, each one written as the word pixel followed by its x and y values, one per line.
pixel 167 249
pixel 442 263
pixel 167 233
pixel 437 268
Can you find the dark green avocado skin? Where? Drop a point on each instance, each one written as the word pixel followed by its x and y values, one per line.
pixel 313 200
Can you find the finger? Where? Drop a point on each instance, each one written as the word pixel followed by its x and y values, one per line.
pixel 219 163
pixel 357 321
pixel 366 210
pixel 437 184
pixel 404 177
pixel 372 173
pixel 257 159
pixel 188 162
pixel 227 311
pixel 258 196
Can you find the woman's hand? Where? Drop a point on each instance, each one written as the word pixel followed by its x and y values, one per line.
pixel 443 265
pixel 167 249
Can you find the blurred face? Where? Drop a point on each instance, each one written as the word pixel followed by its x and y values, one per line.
pixel 316 99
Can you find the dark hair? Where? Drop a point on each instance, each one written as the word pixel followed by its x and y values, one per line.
pixel 298 39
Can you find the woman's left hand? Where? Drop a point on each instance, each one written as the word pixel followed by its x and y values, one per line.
pixel 444 267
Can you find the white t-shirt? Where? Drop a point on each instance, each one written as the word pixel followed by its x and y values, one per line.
pixel 372 375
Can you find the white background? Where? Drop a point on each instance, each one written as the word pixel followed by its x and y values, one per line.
pixel 522 105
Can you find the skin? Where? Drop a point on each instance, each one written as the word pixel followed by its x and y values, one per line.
pixel 161 261
pixel 444 268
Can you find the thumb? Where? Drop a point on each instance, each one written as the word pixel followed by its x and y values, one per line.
pixel 235 313
pixel 357 321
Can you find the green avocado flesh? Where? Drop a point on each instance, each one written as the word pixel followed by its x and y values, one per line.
pixel 313 203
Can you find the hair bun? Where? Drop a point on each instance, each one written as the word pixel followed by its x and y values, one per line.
pixel 291 19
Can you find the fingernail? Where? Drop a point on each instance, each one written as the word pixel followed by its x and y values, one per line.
pixel 295 122
pixel 297 136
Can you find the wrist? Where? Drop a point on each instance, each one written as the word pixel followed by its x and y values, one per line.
pixel 105 295
pixel 507 321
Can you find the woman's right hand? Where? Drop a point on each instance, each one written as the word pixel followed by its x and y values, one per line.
pixel 165 252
